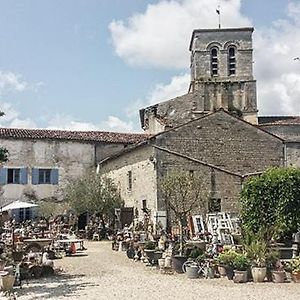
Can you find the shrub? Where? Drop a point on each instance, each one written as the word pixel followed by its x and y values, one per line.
pixel 241 262
pixel 150 245
pixel 227 258
pixel 271 202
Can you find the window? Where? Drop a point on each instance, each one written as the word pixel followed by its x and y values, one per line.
pixel 13 176
pixel 129 174
pixel 44 176
pixel 144 204
pixel 214 61
pixel 231 61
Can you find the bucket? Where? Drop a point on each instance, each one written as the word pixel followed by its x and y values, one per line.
pixel 191 270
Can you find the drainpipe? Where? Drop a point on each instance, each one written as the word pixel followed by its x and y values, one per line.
pixel 284 155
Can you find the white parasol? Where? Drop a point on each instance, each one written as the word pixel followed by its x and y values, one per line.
pixel 18 205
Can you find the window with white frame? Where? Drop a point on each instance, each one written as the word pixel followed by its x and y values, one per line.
pixel 231 61
pixel 214 62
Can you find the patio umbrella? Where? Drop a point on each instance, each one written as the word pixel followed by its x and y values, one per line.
pixel 18 205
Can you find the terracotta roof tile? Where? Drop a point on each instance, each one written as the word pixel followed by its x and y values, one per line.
pixel 86 136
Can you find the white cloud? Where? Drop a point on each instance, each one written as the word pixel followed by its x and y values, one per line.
pixel 65 122
pixel 12 118
pixel 178 86
pixel 277 73
pixel 12 82
pixel 160 36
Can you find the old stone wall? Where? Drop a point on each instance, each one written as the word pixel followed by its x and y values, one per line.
pixel 72 159
pixel 104 150
pixel 216 183
pixel 204 40
pixel 140 163
pixel 225 141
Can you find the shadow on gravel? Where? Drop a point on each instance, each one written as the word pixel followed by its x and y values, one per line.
pixel 56 286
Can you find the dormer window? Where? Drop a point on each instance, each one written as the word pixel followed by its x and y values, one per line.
pixel 214 61
pixel 231 61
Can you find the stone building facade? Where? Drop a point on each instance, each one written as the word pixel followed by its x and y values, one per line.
pixel 219 148
pixel 42 162
pixel 221 77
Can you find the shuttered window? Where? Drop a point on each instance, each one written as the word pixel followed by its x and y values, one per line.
pixel 13 176
pixel 44 176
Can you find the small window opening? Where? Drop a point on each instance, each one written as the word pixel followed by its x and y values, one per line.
pixel 144 204
pixel 129 180
pixel 231 61
pixel 13 176
pixel 214 61
pixel 44 176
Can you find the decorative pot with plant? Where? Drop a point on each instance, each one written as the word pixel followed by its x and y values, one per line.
pixel 257 253
pixel 241 263
pixel 225 260
pixel 149 250
pixel 278 273
pixel 177 258
pixel 294 268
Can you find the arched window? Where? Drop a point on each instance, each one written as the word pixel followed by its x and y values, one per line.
pixel 231 61
pixel 214 61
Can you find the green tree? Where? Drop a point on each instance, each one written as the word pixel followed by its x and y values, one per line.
pixel 271 203
pixel 183 193
pixel 3 151
pixel 93 194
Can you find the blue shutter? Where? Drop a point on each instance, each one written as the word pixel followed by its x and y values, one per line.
pixel 23 175
pixel 35 176
pixel 3 175
pixel 54 176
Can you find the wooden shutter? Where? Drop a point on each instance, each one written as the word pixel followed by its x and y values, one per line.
pixel 54 176
pixel 23 175
pixel 35 176
pixel 3 175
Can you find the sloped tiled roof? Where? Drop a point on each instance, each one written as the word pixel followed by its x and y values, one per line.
pixel 85 136
pixel 279 120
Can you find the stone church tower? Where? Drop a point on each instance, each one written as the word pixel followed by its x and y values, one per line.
pixel 221 70
pixel 221 77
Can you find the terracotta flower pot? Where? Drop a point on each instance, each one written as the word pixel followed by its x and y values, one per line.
pixel 259 274
pixel 296 277
pixel 222 271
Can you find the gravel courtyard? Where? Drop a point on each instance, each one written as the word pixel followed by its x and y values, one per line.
pixel 106 274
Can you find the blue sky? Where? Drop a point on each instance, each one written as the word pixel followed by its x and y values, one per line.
pixel 90 64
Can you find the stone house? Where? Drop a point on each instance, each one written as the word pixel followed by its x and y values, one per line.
pixel 220 148
pixel 41 162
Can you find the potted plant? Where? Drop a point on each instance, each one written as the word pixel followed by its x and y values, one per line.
pixel 257 253
pixel 278 273
pixel 178 259
pixel 149 250
pixel 225 260
pixel 294 268
pixel 241 264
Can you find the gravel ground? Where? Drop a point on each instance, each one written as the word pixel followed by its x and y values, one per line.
pixel 106 274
